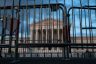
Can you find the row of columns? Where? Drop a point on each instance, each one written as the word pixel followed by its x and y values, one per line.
pixel 44 36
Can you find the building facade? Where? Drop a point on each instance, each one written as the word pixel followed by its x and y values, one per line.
pixel 47 31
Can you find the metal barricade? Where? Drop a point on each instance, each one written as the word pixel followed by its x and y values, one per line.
pixel 82 30
pixel 37 28
pixel 34 31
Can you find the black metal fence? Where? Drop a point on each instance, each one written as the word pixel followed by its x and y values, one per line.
pixel 62 30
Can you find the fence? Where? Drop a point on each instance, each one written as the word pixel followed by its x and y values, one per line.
pixel 47 29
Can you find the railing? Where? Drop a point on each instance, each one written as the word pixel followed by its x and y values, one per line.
pixel 84 55
pixel 49 29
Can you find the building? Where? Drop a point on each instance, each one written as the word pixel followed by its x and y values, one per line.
pixel 51 31
pixel 47 31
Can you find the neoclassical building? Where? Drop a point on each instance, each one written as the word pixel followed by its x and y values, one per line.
pixel 51 31
pixel 47 31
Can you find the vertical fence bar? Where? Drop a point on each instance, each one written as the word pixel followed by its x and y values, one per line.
pixel 11 26
pixel 17 31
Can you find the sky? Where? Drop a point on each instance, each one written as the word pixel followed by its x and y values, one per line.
pixel 45 12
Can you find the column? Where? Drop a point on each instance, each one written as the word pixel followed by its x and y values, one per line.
pixel 52 33
pixel 58 34
pixel 36 38
pixel 62 34
pixel 42 35
pixel 31 36
pixel 46 35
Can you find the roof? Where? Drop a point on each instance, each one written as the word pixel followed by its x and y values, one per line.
pixel 47 21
